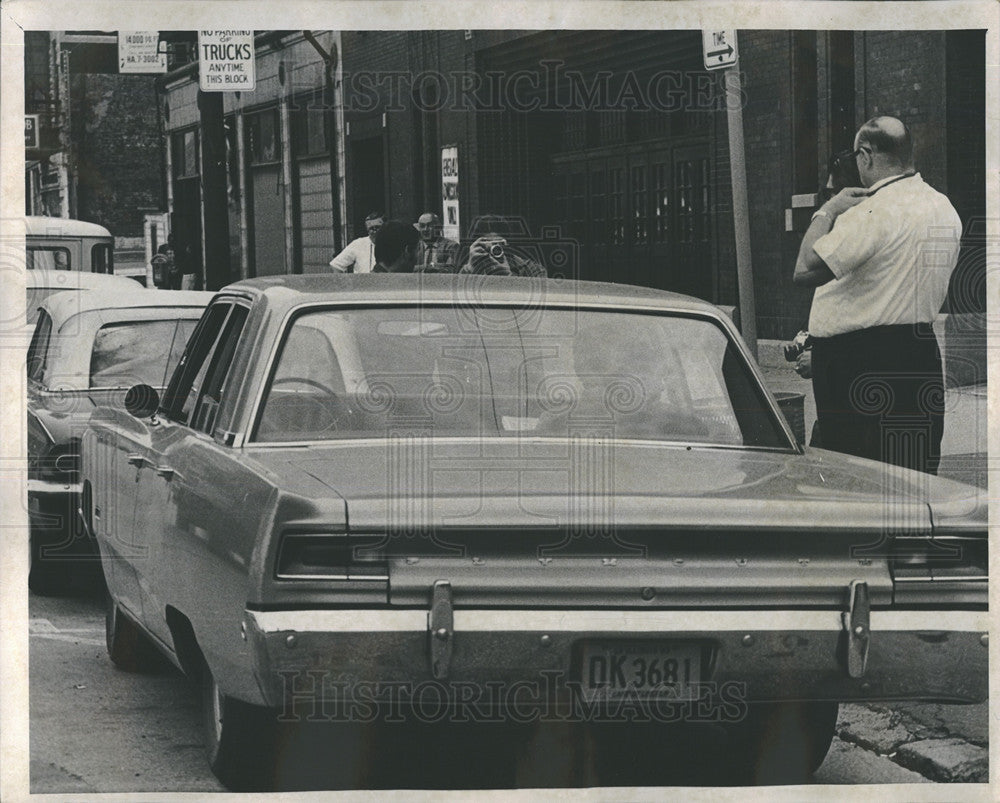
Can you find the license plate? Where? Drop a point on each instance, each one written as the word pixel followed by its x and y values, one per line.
pixel 655 670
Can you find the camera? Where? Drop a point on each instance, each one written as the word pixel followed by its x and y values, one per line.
pixel 496 251
pixel 793 349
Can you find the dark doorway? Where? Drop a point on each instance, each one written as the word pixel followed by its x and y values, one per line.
pixel 367 179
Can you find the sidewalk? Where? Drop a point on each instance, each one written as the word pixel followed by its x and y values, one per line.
pixel 963 449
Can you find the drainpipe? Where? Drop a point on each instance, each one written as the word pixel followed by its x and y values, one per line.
pixel 333 131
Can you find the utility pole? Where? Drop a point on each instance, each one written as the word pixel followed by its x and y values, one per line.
pixel 214 196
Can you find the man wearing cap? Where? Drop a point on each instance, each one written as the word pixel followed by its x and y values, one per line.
pixel 435 253
pixel 880 257
pixel 359 256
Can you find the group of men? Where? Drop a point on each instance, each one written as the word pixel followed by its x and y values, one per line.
pixel 393 246
pixel 880 257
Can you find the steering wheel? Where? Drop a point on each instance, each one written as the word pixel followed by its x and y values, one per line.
pixel 306 413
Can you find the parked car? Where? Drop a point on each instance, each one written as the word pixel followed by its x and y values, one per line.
pixel 55 243
pixel 356 489
pixel 87 349
pixel 40 284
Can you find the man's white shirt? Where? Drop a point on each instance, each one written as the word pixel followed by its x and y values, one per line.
pixel 892 255
pixel 360 253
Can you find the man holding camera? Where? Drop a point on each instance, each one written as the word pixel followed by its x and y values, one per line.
pixel 880 257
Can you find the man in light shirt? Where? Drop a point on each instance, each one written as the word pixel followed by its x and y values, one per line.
pixel 359 256
pixel 880 257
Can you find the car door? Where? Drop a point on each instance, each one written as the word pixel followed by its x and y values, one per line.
pixel 118 459
pixel 167 513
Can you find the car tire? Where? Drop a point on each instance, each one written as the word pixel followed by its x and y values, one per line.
pixel 240 738
pixel 128 647
pixel 782 743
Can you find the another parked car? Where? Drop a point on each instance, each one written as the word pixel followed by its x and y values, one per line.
pixel 56 243
pixel 87 349
pixel 358 489
pixel 40 284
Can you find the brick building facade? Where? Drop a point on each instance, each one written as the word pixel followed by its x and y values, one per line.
pixel 611 145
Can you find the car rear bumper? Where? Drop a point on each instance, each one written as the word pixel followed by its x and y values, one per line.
pixel 752 655
pixel 52 506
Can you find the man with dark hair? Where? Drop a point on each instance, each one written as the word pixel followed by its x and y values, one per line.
pixel 880 257
pixel 396 248
pixel 359 256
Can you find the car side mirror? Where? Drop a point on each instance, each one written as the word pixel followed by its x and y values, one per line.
pixel 142 401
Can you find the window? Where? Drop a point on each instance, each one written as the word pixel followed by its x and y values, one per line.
pixel 214 388
pixel 101 258
pixel 38 347
pixel 309 134
pixel 498 372
pixel 48 258
pixel 198 384
pixel 264 138
pixel 133 353
pixel 184 153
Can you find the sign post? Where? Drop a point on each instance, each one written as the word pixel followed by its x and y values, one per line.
pixel 226 61
pixel 720 51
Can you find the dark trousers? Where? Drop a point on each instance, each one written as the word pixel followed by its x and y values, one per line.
pixel 880 394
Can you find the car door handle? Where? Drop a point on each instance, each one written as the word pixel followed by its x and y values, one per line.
pixel 164 471
pixel 138 460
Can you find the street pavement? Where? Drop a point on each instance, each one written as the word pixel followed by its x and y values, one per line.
pixel 940 742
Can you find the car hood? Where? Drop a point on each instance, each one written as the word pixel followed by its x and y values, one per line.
pixel 502 483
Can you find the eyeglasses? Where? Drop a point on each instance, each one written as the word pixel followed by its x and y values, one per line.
pixel 846 157
pixel 373 227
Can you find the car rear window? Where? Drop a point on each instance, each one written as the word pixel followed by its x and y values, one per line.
pixel 48 258
pixel 502 371
pixel 137 352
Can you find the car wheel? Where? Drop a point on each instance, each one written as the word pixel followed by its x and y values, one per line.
pixel 128 647
pixel 782 743
pixel 239 738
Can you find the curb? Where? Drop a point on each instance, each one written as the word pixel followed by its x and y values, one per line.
pixel 885 732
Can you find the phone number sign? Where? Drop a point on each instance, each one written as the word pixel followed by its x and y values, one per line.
pixel 139 51
pixel 226 61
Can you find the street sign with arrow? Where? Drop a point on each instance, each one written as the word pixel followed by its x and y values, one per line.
pixel 719 49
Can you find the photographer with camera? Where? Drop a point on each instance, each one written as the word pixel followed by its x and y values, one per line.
pixel 880 257
pixel 492 255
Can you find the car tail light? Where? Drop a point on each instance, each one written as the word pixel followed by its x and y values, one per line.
pixel 325 556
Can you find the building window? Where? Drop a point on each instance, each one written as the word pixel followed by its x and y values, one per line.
pixel 184 150
pixel 263 137
pixel 309 129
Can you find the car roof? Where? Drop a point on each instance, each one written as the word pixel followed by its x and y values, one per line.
pixel 40 226
pixel 64 305
pixel 76 280
pixel 285 292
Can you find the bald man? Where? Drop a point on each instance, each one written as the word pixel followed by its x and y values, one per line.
pixel 435 253
pixel 880 257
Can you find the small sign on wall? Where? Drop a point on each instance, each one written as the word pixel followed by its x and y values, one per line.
pixel 449 192
pixel 226 61
pixel 138 52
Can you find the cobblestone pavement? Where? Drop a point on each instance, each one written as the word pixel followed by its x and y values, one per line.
pixel 940 742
